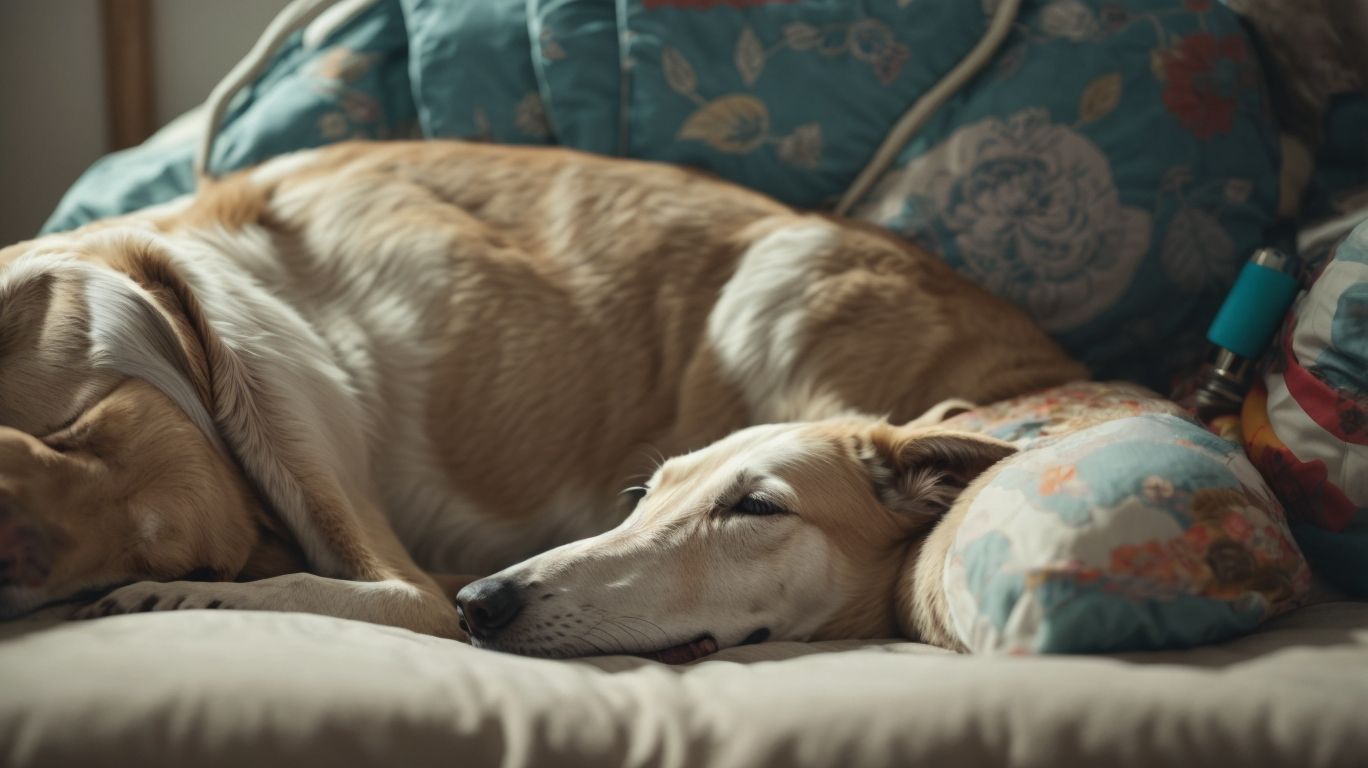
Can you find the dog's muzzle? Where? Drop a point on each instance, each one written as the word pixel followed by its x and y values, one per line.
pixel 487 606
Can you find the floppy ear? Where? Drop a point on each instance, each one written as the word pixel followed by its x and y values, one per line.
pixel 279 406
pixel 24 301
pixel 919 473
pixel 263 380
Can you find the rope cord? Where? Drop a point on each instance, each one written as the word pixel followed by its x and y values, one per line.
pixel 300 13
pixel 921 112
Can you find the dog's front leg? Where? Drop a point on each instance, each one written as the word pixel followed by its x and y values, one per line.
pixel 394 602
pixel 384 585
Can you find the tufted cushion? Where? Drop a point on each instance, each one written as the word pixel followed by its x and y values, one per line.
pixel 1140 532
pixel 1306 427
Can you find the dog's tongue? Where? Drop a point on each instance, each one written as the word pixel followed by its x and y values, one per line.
pixel 685 652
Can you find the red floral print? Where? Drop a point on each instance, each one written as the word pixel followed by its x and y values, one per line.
pixel 1203 75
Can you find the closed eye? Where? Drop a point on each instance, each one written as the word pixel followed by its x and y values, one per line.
pixel 63 441
pixel 62 438
pixel 635 494
pixel 750 504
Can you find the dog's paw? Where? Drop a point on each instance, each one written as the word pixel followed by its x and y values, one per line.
pixel 148 596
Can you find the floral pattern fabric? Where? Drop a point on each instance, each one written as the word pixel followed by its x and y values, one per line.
pixel 1139 532
pixel 1107 171
pixel 1306 424
pixel 1034 418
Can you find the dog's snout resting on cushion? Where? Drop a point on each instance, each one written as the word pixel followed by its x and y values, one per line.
pixel 320 382
pixel 488 605
pixel 786 532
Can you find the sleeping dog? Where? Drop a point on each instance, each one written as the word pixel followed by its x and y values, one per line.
pixel 317 383
pixel 825 530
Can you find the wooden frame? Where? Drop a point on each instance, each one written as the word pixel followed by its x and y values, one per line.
pixel 130 106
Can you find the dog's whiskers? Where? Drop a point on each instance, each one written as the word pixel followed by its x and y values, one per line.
pixel 637 632
pixel 655 626
pixel 612 638
pixel 582 638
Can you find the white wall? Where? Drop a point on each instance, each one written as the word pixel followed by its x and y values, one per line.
pixel 52 113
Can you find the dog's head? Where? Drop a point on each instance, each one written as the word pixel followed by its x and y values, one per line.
pixel 786 532
pixel 128 428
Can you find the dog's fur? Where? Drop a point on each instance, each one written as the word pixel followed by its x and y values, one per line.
pixel 839 548
pixel 316 375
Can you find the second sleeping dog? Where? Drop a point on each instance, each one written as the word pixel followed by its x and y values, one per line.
pixel 356 366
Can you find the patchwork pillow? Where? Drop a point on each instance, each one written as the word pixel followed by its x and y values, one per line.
pixel 1140 532
pixel 1306 425
pixel 791 98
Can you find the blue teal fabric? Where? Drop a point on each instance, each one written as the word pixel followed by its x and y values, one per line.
pixel 355 86
pixel 1339 184
pixel 790 98
pixel 577 56
pixel 1253 311
pixel 1137 534
pixel 1108 171
pixel 471 65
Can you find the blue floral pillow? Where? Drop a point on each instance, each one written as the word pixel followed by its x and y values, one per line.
pixel 1109 172
pixel 472 71
pixel 1141 533
pixel 791 98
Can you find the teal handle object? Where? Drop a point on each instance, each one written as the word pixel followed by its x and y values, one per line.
pixel 1253 310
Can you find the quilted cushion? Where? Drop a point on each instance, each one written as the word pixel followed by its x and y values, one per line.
pixel 1141 532
pixel 1306 428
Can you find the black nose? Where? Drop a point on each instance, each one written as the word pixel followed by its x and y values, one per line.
pixel 488 605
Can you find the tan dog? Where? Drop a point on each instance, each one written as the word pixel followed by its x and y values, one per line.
pixel 294 389
pixel 809 531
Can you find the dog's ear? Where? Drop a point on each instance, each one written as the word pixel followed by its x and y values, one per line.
pixel 919 473
pixel 23 304
pixel 267 402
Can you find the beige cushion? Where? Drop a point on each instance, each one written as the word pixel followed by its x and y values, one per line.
pixel 205 688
